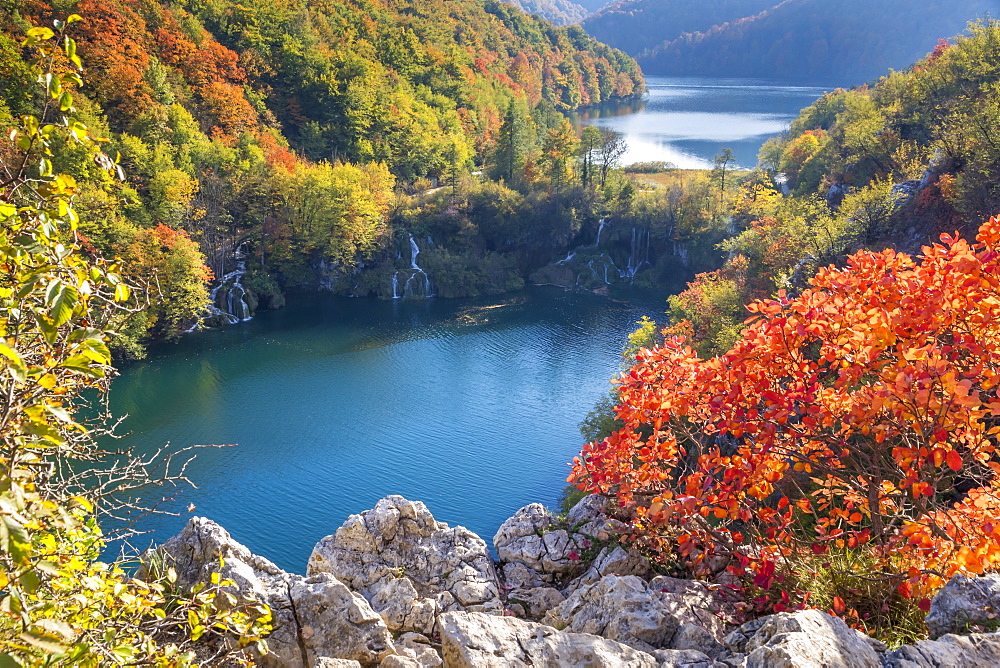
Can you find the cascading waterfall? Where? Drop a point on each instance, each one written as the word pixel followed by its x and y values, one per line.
pixel 638 254
pixel 395 285
pixel 236 309
pixel 567 258
pixel 600 228
pixel 414 287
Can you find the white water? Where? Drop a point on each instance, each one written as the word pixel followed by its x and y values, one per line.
pixel 237 310
pixel 411 289
pixel 567 258
pixel 600 228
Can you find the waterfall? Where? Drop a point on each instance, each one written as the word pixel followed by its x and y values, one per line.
pixel 414 287
pixel 236 309
pixel 414 252
pixel 638 254
pixel 567 258
pixel 395 285
pixel 604 259
pixel 600 228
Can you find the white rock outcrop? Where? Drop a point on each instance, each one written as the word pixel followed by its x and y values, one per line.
pixel 409 566
pixel 802 639
pixel 618 608
pixel 965 602
pixel 475 640
pixel 980 650
pixel 313 618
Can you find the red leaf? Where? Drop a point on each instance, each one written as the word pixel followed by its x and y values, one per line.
pixel 954 461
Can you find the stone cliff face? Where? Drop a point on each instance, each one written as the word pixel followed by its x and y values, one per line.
pixel 393 587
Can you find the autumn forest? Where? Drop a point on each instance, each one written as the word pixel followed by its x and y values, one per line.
pixel 814 402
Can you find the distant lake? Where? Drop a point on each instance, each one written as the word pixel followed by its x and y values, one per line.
pixel 469 405
pixel 689 121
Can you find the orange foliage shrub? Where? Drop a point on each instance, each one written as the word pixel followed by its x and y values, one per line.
pixel 862 414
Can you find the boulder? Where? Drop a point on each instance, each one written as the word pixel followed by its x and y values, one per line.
pixel 415 649
pixel 536 602
pixel 531 538
pixel 802 639
pixel 965 602
pixel 195 554
pixel 688 658
pixel 313 618
pixel 980 650
pixel 589 508
pixel 693 637
pixel 337 623
pixel 325 662
pixel 696 603
pixel 613 560
pixel 518 576
pixel 409 566
pixel 476 640
pixel 619 608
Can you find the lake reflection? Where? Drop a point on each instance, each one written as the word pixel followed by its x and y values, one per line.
pixel 688 121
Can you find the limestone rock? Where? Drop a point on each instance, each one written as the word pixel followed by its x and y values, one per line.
pixel 964 602
pixel 314 619
pixel 617 608
pixel 612 561
pixel 979 650
pixel 337 623
pixel 693 637
pixel 803 639
pixel 413 650
pixel 408 565
pixel 529 538
pixel 476 640
pixel 588 509
pixel 518 576
pixel 536 601
pixel 688 658
pixel 694 602
pixel 195 553
pixel 326 662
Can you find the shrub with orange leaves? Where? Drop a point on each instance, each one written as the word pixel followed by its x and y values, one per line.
pixel 861 415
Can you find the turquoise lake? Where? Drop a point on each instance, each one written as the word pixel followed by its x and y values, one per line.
pixel 471 406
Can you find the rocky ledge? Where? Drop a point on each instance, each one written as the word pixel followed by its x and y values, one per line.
pixel 393 587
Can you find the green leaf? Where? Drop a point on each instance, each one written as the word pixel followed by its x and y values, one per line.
pixel 14 539
pixel 8 661
pixel 11 354
pixel 30 581
pixel 48 328
pixel 47 642
pixel 62 299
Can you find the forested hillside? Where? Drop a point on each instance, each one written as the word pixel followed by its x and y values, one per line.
pixel 795 40
pixel 638 26
pixel 279 131
pixel 558 12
